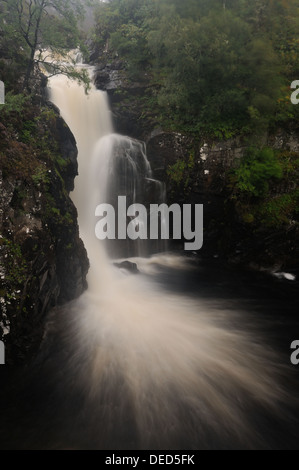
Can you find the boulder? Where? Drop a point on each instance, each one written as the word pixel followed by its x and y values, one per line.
pixel 128 266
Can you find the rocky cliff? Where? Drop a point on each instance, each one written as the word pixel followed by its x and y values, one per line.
pixel 43 261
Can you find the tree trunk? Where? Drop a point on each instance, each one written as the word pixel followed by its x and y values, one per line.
pixel 29 70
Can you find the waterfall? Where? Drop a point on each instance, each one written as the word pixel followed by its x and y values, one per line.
pixel 157 369
pixel 113 164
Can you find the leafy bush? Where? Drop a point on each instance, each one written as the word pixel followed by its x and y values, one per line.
pixel 179 172
pixel 279 210
pixel 256 170
pixel 41 176
pixel 264 188
pixel 14 103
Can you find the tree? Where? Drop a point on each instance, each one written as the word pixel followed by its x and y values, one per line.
pixel 219 67
pixel 38 24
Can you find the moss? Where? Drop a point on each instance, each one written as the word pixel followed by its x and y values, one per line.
pixel 279 210
pixel 49 115
pixel 61 162
pixel 55 211
pixel 55 216
pixel 41 176
pixel 27 141
pixel 179 173
pixel 14 262
pixel 68 218
pixel 248 218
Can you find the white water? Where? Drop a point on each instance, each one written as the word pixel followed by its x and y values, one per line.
pixel 178 364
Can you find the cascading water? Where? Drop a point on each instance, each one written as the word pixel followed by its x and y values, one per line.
pixel 119 167
pixel 112 164
pixel 153 369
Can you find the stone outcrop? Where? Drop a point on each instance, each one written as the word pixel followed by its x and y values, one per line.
pixel 197 171
pixel 43 261
pixel 126 96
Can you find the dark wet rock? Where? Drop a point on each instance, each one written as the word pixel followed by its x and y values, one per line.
pixel 43 262
pixel 128 266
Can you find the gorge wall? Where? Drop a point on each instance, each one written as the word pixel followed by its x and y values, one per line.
pixel 43 261
pixel 198 170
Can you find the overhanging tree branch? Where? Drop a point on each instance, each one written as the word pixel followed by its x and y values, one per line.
pixel 40 24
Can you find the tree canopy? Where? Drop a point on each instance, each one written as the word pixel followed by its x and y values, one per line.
pixel 223 66
pixel 28 26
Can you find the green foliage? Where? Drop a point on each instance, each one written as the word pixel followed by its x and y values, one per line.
pixel 25 140
pixel 264 188
pixel 280 209
pixel 255 172
pixel 28 26
pixel 216 71
pixel 54 216
pixel 61 162
pixel 41 176
pixel 14 103
pixel 49 115
pixel 15 263
pixel 179 172
pixel 130 40
pixel 176 172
